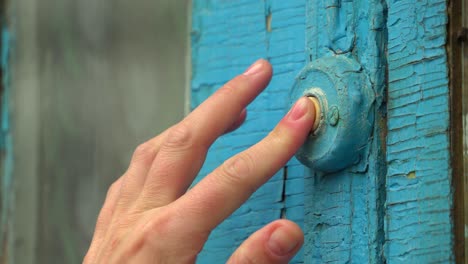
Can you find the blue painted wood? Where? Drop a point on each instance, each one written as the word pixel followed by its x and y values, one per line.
pixel 345 210
pixel 394 206
pixel 226 37
pixel 419 197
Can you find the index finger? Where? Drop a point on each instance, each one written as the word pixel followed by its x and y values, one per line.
pixel 220 193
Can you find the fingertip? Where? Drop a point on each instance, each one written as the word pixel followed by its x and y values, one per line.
pixel 261 66
pixel 301 117
pixel 285 239
pixel 259 74
pixel 268 66
pixel 277 242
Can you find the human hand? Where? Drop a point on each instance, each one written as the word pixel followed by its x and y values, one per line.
pixel 150 216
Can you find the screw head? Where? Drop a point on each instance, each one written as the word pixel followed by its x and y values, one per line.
pixel 333 116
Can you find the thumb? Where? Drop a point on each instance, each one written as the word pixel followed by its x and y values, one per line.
pixel 275 243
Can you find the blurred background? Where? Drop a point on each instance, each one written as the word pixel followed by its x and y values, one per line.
pixel 92 79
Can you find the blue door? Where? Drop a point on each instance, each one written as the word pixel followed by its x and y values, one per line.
pixel 384 195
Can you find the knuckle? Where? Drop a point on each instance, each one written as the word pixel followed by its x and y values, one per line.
pixel 87 259
pixel 169 226
pixel 237 168
pixel 161 226
pixel 143 151
pixel 228 89
pixel 113 189
pixel 108 208
pixel 232 87
pixel 180 137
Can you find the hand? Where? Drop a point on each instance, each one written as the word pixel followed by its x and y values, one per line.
pixel 150 217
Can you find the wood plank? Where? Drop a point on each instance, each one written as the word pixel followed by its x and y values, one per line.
pixel 345 210
pixel 458 97
pixel 419 195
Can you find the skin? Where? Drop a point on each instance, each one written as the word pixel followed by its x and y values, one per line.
pixel 150 216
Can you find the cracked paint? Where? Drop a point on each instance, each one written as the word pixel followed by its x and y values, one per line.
pixel 396 209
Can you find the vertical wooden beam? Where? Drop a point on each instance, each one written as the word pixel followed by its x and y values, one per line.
pixel 419 179
pixel 465 123
pixel 458 111
pixel 464 66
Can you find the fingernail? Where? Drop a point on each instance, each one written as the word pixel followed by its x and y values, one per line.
pixel 299 109
pixel 281 243
pixel 254 69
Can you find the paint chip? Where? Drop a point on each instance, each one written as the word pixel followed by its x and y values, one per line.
pixel 268 22
pixel 411 175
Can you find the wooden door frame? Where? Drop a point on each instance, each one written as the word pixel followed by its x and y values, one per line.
pixel 457 56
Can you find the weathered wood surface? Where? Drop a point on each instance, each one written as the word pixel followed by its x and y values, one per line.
pixel 277 31
pixel 458 127
pixel 395 208
pixel 345 210
pixel 226 37
pixel 463 252
pixel 344 213
pixel 419 196
pixel 465 145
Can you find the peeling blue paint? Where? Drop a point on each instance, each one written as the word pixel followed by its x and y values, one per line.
pixel 345 210
pixel 227 36
pixel 396 208
pixel 350 205
pixel 418 222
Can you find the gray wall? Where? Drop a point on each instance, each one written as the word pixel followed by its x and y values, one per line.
pixel 92 79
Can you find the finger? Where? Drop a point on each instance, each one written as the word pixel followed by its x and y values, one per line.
pixel 229 186
pixel 142 159
pixel 144 155
pixel 104 218
pixel 183 153
pixel 217 114
pixel 135 176
pixel 277 243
